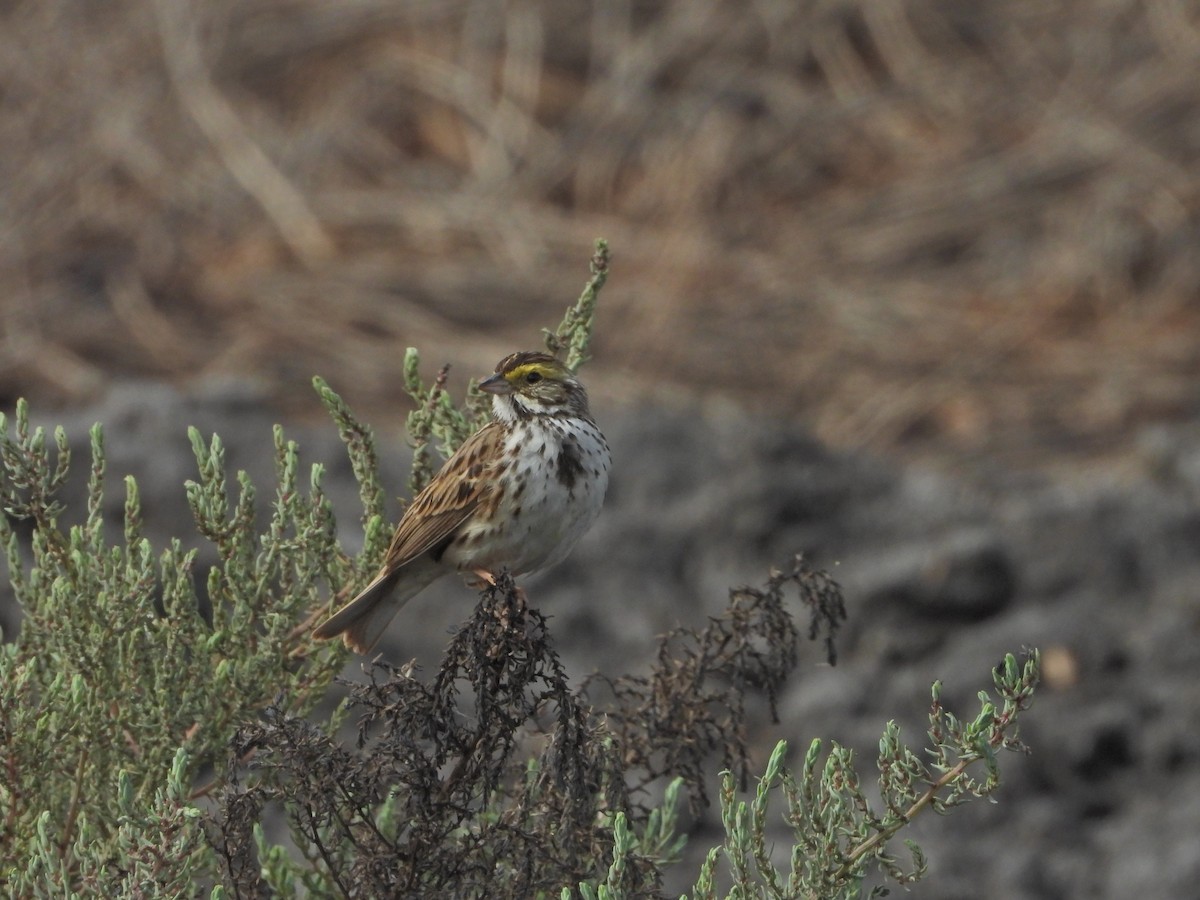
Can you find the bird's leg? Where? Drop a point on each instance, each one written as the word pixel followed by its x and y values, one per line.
pixel 482 577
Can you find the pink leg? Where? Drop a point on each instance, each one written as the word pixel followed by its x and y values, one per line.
pixel 482 577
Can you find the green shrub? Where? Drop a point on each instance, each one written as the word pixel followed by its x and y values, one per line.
pixel 156 719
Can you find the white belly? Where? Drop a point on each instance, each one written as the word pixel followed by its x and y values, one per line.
pixel 550 499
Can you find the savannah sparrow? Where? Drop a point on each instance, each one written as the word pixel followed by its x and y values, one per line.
pixel 517 495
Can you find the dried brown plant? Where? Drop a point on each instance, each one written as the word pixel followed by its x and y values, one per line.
pixel 496 777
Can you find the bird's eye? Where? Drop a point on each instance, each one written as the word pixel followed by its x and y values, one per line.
pixel 533 377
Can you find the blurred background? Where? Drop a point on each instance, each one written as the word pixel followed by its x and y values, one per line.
pixel 910 285
pixel 917 226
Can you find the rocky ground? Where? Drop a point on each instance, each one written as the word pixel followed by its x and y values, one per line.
pixel 942 573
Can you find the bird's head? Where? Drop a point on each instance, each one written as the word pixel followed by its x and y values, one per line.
pixel 534 384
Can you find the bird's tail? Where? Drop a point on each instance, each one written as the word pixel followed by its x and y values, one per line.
pixel 363 620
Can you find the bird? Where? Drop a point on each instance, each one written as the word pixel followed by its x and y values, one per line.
pixel 516 496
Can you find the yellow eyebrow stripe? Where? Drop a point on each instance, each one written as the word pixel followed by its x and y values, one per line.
pixel 546 371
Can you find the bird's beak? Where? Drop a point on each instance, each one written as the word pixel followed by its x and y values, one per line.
pixel 497 384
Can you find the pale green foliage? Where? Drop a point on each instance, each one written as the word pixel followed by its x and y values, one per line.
pixel 161 844
pixel 436 418
pixel 574 334
pixel 364 462
pixel 658 841
pixel 837 834
pixel 118 687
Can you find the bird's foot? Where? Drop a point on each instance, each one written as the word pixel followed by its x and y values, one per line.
pixel 483 578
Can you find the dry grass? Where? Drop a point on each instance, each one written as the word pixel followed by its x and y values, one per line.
pixel 926 224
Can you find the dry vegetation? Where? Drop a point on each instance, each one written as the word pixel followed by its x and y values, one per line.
pixel 924 224
pixel 495 778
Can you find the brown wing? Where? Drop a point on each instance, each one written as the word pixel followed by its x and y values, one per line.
pixel 447 501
